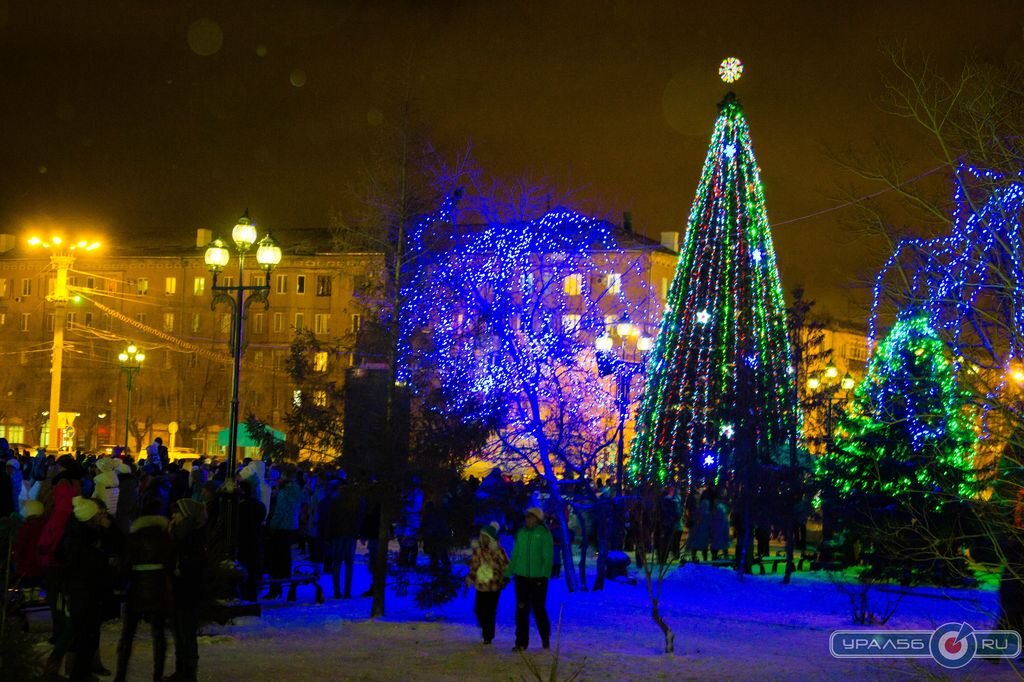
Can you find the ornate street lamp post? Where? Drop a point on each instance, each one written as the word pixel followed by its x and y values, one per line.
pixel 610 362
pixel 836 391
pixel 131 359
pixel 268 255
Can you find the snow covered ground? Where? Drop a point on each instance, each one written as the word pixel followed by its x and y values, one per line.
pixel 754 629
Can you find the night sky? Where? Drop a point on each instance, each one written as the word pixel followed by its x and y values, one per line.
pixel 155 118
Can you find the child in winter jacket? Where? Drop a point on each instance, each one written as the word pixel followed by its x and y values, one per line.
pixel 487 574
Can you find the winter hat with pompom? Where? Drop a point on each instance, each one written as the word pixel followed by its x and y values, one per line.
pixel 84 509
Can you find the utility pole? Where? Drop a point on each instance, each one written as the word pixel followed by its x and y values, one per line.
pixel 62 258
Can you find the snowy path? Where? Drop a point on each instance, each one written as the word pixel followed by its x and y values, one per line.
pixel 756 629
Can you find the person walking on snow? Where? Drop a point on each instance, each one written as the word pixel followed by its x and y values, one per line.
pixel 487 574
pixel 530 567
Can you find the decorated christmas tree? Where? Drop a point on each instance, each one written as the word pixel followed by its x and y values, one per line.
pixel 907 437
pixel 720 382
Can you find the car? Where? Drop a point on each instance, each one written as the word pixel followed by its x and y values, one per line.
pixel 183 455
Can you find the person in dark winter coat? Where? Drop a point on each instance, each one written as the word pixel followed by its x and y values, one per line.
pixel 530 566
pixel 719 528
pixel 149 563
pixel 284 528
pixel 251 513
pixel 339 527
pixel 87 548
pixel 700 534
pixel 188 530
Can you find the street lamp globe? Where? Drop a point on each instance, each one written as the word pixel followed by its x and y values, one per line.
pixel 624 327
pixel 123 357
pixel 268 255
pixel 217 255
pixel 603 343
pixel 831 372
pixel 813 383
pixel 847 382
pixel 140 357
pixel 132 349
pixel 644 343
pixel 244 233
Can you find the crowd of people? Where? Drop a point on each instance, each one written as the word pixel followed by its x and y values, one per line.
pixel 141 540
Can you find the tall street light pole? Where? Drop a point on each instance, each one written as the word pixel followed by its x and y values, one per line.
pixel 608 363
pixel 62 257
pixel 268 255
pixel 131 359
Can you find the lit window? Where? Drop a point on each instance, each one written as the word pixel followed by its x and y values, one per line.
pixel 320 398
pixel 320 323
pixel 170 285
pixel 570 323
pixel 195 322
pixel 3 288
pixel 142 286
pixel 613 283
pixel 573 284
pixel 198 286
pixel 320 361
pixel 168 322
pixel 3 319
pixel 357 323
pixel 300 284
pixel 297 398
pixel 323 285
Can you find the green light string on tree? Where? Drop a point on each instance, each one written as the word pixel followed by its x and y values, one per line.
pixel 722 364
pixel 909 430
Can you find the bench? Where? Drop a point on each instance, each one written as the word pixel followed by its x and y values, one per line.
pixel 302 574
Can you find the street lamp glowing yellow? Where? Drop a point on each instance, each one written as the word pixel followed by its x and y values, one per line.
pixel 831 372
pixel 847 382
pixel 813 383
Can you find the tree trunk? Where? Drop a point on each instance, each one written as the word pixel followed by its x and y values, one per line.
pixel 601 530
pixel 790 532
pixel 563 528
pixel 379 564
pixel 670 637
pixel 583 551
